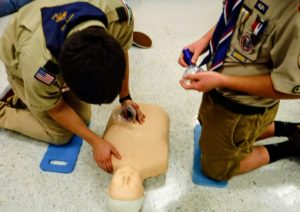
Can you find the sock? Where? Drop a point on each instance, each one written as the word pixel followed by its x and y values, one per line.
pixel 282 150
pixel 284 128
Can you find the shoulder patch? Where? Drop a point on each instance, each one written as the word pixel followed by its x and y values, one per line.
pixel 128 12
pixel 51 67
pixel 122 14
pixel 45 77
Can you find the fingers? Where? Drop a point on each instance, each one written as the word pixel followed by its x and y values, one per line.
pixel 103 155
pixel 140 116
pixel 105 166
pixel 192 77
pixel 186 86
pixel 115 152
pixel 195 56
pixel 109 167
pixel 181 61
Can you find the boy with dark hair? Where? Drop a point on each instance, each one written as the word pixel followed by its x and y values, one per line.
pixel 80 58
pixel 60 56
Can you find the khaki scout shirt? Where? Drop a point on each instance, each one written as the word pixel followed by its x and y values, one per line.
pixel 23 49
pixel 276 51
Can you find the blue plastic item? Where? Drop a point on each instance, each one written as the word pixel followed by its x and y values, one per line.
pixel 62 158
pixel 198 177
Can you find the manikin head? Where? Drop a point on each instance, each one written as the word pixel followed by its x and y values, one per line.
pixel 144 150
pixel 126 191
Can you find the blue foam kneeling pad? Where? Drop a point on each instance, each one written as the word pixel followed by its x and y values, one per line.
pixel 198 177
pixel 62 158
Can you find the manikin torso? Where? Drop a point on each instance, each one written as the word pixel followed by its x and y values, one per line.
pixel 143 148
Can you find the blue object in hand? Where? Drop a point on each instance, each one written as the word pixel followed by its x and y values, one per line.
pixel 62 158
pixel 198 177
pixel 187 56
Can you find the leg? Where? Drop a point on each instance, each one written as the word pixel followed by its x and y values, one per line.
pixel 227 140
pixel 38 124
pixel 257 158
pixel 269 132
pixel 273 152
pixel 219 152
pixel 24 122
pixel 263 155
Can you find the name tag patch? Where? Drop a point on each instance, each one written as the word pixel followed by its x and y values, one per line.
pixel 235 54
pixel 261 7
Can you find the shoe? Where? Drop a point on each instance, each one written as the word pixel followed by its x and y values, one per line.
pixel 8 97
pixel 141 40
pixel 295 136
pixel 5 93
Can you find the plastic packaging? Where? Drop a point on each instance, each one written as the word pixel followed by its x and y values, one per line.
pixel 192 68
pixel 127 114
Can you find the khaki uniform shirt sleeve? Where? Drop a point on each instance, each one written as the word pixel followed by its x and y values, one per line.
pixel 285 56
pixel 123 34
pixel 25 42
pixel 41 96
pixel 122 31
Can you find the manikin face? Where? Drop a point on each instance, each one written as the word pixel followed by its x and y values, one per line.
pixel 126 184
pixel 126 191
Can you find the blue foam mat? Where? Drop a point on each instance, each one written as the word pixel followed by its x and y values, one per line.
pixel 198 177
pixel 62 158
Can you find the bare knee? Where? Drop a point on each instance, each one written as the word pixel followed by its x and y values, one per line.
pixel 257 158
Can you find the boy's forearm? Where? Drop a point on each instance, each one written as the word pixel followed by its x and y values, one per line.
pixel 205 39
pixel 65 116
pixel 255 85
pixel 125 84
pixel 208 36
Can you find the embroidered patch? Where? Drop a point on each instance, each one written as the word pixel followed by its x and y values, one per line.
pixel 246 43
pixel 235 54
pixel 57 22
pixel 51 67
pixel 296 89
pixel 261 7
pixel 45 77
pixel 122 14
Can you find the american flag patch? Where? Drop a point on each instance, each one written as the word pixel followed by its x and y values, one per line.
pixel 45 77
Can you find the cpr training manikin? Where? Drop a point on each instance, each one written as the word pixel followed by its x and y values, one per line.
pixel 144 152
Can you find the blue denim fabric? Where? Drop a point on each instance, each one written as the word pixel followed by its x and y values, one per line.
pixel 9 6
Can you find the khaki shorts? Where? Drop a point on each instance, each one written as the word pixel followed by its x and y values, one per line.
pixel 228 137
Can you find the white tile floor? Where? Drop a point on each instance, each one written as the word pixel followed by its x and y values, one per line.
pixel 171 24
